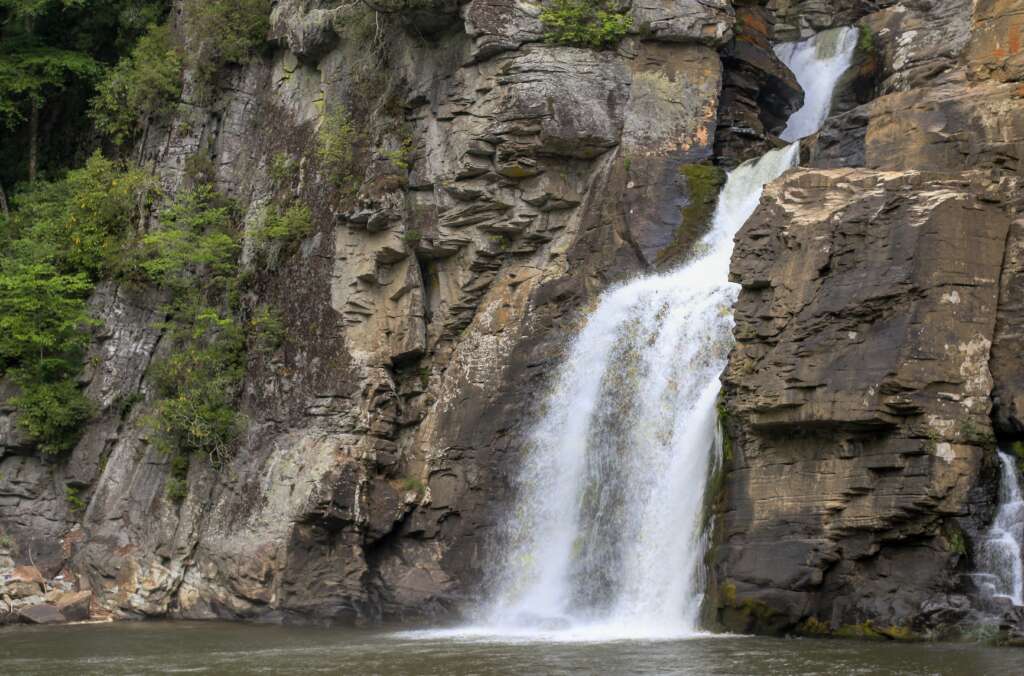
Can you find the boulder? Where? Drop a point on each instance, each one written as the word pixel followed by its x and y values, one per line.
pixel 20 589
pixel 43 613
pixel 75 606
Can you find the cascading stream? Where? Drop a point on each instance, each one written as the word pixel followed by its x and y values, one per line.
pixel 1001 555
pixel 607 537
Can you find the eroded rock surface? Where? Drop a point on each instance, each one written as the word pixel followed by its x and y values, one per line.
pixel 877 336
pixel 860 394
pixel 506 182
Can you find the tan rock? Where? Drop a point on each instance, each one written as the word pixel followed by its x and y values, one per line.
pixel 75 606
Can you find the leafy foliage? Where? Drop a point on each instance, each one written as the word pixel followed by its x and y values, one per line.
pixel 225 32
pixel 78 224
pixel 196 238
pixel 74 499
pixel 198 385
pixel 598 24
pixel 51 54
pixel 337 140
pixel 31 72
pixel 141 86
pixel 287 224
pixel 194 254
pixel 59 240
pixel 177 482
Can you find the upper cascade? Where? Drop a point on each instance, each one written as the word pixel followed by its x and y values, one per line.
pixel 607 538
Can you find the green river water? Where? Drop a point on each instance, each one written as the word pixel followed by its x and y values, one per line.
pixel 229 648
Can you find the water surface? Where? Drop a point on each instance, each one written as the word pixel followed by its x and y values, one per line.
pixel 231 648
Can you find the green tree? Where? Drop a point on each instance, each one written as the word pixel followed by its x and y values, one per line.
pixel 59 239
pixel 51 53
pixel 141 86
pixel 31 70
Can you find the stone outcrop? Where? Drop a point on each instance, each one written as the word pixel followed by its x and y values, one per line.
pixel 502 183
pixel 877 355
pixel 422 317
pixel 759 92
pixel 859 393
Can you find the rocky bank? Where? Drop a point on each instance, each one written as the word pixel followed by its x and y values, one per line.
pixel 877 353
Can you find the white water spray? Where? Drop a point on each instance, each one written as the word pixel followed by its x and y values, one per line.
pixel 606 540
pixel 1001 556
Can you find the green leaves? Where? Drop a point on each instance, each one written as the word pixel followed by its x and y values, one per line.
pixel 198 384
pixel 597 24
pixel 224 32
pixel 337 139
pixel 52 413
pixel 31 72
pixel 194 253
pixel 141 86
pixel 78 224
pixel 42 317
pixel 60 239
pixel 285 224
pixel 196 237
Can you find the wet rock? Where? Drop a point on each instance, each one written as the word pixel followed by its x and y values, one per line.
pixel 759 92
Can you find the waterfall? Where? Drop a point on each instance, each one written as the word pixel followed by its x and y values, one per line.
pixel 1001 557
pixel 606 539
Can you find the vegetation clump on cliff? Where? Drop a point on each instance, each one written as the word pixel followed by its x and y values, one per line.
pixel 141 86
pixel 58 242
pixel 222 32
pixel 597 24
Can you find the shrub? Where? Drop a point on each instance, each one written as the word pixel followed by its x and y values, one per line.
pixel 197 386
pixel 60 238
pixel 194 254
pixel 413 484
pixel 287 224
pixel 266 330
pixel 597 24
pixel 283 169
pixel 225 32
pixel 197 238
pixel 177 482
pixel 74 500
pixel 52 413
pixel 336 146
pixel 141 86
pixel 78 224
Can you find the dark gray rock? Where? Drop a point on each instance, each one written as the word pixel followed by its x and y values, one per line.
pixel 43 613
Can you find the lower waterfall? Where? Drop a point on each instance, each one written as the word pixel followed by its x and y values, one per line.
pixel 1001 555
pixel 606 538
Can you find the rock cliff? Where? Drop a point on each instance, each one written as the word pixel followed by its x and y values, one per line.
pixel 876 363
pixel 421 317
pixel 503 182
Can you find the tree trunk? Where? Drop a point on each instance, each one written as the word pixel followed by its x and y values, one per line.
pixel 33 142
pixel 3 202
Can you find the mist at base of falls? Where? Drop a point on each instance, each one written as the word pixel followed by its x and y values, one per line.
pixel 606 539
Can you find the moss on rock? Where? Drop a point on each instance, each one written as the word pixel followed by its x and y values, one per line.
pixel 703 183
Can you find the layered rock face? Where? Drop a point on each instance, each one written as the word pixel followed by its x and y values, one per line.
pixel 422 319
pixel 876 336
pixel 877 332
